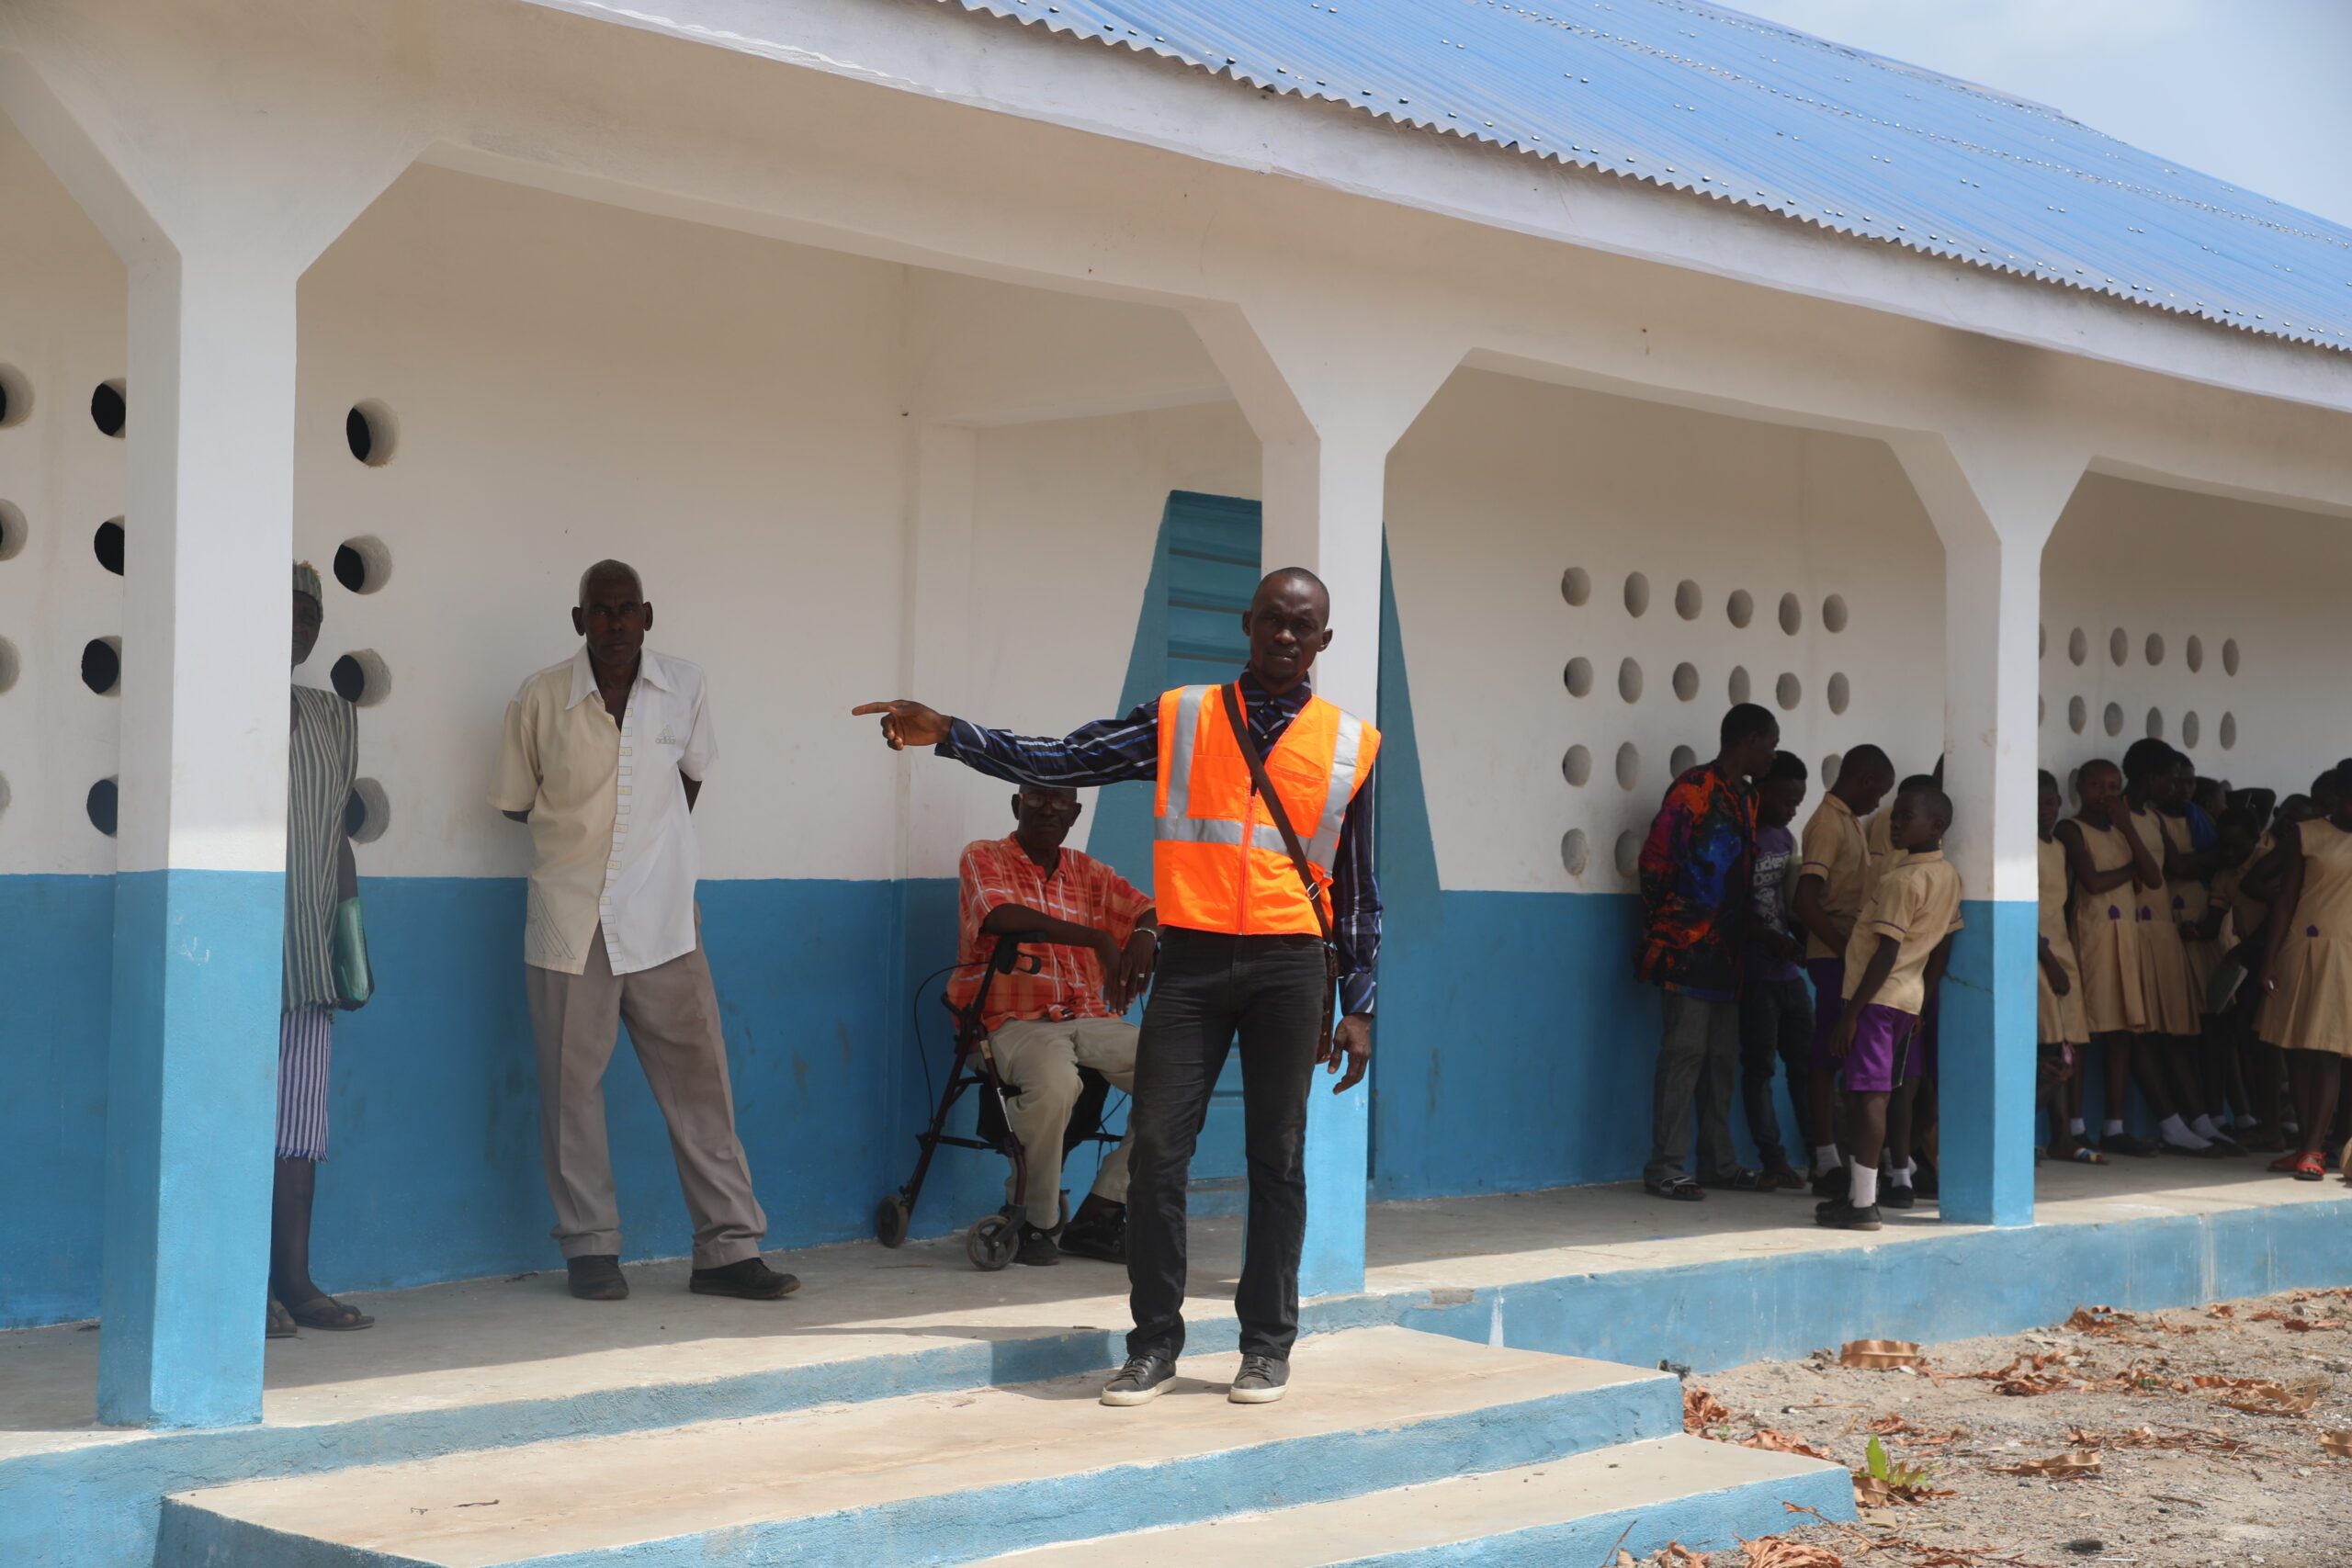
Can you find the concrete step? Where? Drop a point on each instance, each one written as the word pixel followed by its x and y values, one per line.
pixel 1576 1511
pixel 944 1478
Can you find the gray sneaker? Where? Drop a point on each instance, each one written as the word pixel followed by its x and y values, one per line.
pixel 1140 1380
pixel 1262 1381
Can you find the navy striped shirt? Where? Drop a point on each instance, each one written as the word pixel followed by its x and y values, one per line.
pixel 1121 751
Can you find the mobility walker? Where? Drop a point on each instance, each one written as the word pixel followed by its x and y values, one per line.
pixel 995 1238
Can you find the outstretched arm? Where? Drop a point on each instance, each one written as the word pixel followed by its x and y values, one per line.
pixel 1111 750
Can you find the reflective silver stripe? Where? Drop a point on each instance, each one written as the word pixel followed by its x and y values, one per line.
pixel 1180 756
pixel 1324 847
pixel 1218 830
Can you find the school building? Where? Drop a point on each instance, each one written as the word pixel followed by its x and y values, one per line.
pixel 1612 360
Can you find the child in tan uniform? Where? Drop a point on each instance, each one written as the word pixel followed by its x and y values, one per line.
pixel 1833 874
pixel 2236 920
pixel 2307 972
pixel 2176 1013
pixel 2061 1028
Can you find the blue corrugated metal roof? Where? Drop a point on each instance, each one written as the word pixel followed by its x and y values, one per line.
pixel 1724 104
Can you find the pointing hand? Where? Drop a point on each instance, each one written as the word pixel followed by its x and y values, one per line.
pixel 905 723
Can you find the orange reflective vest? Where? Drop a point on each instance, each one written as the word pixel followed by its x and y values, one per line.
pixel 1218 862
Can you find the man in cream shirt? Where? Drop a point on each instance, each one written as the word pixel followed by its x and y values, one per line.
pixel 604 756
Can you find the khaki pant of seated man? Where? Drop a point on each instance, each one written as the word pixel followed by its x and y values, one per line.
pixel 1041 1057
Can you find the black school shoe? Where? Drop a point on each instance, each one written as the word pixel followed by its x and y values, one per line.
pixel 1037 1248
pixel 1843 1216
pixel 1140 1382
pixel 1896 1195
pixel 749 1280
pixel 597 1278
pixel 1833 1184
pixel 1105 1238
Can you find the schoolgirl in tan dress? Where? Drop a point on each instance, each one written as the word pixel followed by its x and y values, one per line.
pixel 2307 975
pixel 2059 1021
pixel 2176 1005
pixel 2105 928
pixel 2190 900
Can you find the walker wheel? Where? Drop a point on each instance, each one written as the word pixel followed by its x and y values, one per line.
pixel 991 1243
pixel 891 1219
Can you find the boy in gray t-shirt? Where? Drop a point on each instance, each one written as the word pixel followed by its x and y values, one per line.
pixel 1775 1003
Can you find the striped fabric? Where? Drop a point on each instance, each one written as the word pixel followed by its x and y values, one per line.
pixel 322 760
pixel 305 1042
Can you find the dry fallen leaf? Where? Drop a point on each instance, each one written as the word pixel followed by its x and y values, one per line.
pixel 1701 1410
pixel 1680 1556
pixel 2147 1438
pixel 1904 1426
pixel 2294 1321
pixel 1880 1355
pixel 2078 1465
pixel 1780 1553
pixel 1776 1441
pixel 2337 1443
pixel 2265 1397
pixel 1625 1559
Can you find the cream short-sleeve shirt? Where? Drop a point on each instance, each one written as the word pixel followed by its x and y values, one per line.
pixel 1917 903
pixel 611 843
pixel 1833 850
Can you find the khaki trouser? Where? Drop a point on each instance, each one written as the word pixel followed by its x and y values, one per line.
pixel 1041 1057
pixel 672 1018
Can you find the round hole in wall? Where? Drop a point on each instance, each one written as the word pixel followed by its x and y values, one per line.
pixel 1688 600
pixel 1637 594
pixel 108 409
pixel 1575 585
pixel 1792 615
pixel 2077 715
pixel 2156 724
pixel 363 564
pixel 1829 767
pixel 102 665
pixel 368 813
pixel 1738 686
pixel 2113 718
pixel 2118 645
pixel 11 666
pixel 1629 765
pixel 361 678
pixel 1629 855
pixel 2229 656
pixel 2156 648
pixel 1682 761
pixel 1833 613
pixel 12 530
pixel 100 804
pixel 1686 681
pixel 1575 765
pixel 15 397
pixel 2078 646
pixel 1629 679
pixel 1577 677
pixel 1574 852
pixel 106 544
pixel 2190 728
pixel 1740 608
pixel 2229 731
pixel 1841 692
pixel 1788 691
pixel 371 433
pixel 2195 653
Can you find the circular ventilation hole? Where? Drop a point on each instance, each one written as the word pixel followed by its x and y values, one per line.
pixel 2078 646
pixel 1629 765
pixel 363 564
pixel 368 813
pixel 1841 692
pixel 361 678
pixel 100 804
pixel 1737 685
pixel 1682 761
pixel 1577 677
pixel 2229 656
pixel 2118 645
pixel 1833 613
pixel 102 665
pixel 12 530
pixel 108 410
pixel 1788 691
pixel 1637 594
pixel 2113 718
pixel 1688 600
pixel 1575 585
pixel 11 666
pixel 1792 615
pixel 106 544
pixel 15 396
pixel 2156 648
pixel 1686 681
pixel 2229 731
pixel 1829 767
pixel 2191 728
pixel 1575 765
pixel 1575 851
pixel 371 433
pixel 1629 679
pixel 2156 724
pixel 2195 653
pixel 2078 714
pixel 1629 855
pixel 1740 608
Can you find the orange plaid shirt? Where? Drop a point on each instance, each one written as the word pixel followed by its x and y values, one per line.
pixel 995 873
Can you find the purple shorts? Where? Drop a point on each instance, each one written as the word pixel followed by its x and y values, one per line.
pixel 1829 976
pixel 1872 1064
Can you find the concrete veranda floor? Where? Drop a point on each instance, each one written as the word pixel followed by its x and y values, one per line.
pixel 485 1342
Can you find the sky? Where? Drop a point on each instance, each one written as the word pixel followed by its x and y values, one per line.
pixel 2255 92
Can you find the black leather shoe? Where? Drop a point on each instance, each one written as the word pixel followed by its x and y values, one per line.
pixel 1104 1237
pixel 1844 1216
pixel 1896 1195
pixel 749 1280
pixel 1140 1380
pixel 1833 1184
pixel 1262 1381
pixel 597 1278
pixel 1037 1248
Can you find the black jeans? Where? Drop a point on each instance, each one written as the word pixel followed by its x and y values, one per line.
pixel 1775 1026
pixel 1268 990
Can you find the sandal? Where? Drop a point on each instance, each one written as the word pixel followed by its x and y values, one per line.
pixel 2085 1154
pixel 282 1321
pixel 1780 1178
pixel 2288 1163
pixel 1682 1189
pixel 323 1312
pixel 1735 1180
pixel 2310 1167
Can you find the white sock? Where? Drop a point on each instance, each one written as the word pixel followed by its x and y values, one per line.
pixel 2074 1125
pixel 2176 1133
pixel 2203 1127
pixel 1901 1175
pixel 1826 1158
pixel 1864 1191
pixel 2112 1128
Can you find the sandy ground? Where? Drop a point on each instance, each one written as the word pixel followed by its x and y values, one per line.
pixel 2188 1474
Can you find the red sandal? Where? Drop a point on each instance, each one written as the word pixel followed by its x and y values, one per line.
pixel 2287 1164
pixel 2310 1167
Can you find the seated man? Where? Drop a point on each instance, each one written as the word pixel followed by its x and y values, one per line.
pixel 1099 941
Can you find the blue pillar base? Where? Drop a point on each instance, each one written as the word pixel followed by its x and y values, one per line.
pixel 1986 1068
pixel 192 1113
pixel 1339 1171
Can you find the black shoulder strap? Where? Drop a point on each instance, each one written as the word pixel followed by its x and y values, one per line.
pixel 1248 744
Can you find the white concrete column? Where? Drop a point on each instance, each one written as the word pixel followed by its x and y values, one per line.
pixel 1993 499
